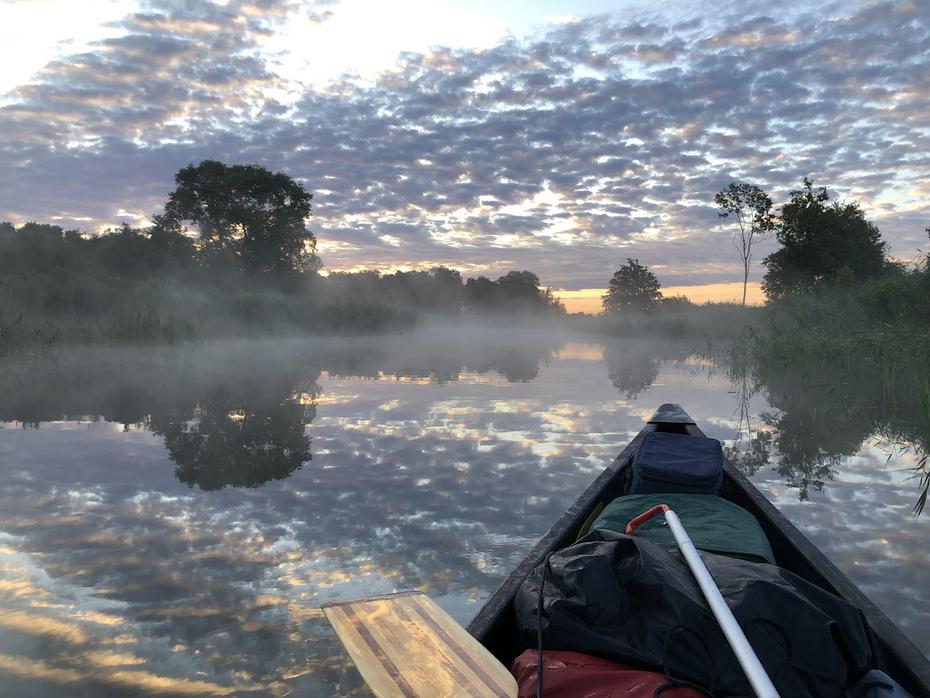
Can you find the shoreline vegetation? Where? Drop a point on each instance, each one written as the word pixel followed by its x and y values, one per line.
pixel 230 255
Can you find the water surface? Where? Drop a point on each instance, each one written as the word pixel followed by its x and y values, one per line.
pixel 171 519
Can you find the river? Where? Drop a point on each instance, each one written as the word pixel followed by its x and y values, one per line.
pixel 172 518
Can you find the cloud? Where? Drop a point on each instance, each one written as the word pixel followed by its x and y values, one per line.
pixel 563 152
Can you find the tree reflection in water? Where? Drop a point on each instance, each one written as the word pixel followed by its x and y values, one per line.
pixel 751 450
pixel 229 577
pixel 237 415
pixel 821 415
pixel 238 419
pixel 632 367
pixel 240 440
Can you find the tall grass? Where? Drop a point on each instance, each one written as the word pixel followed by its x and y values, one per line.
pixel 17 333
pixel 868 328
pixel 676 320
pixel 846 365
pixel 164 312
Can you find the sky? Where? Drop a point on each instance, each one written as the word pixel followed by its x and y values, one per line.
pixel 557 137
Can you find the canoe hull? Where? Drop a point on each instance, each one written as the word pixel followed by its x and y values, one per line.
pixel 494 624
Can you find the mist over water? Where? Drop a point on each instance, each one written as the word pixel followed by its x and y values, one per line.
pixel 172 518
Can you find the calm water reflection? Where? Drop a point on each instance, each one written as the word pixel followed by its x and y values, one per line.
pixel 172 519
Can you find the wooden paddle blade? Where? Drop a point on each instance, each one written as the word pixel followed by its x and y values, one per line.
pixel 405 646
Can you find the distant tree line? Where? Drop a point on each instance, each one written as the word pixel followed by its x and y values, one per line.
pixel 230 249
pixel 442 291
pixel 129 256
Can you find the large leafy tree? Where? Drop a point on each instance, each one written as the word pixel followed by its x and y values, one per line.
pixel 821 243
pixel 751 209
pixel 632 286
pixel 246 212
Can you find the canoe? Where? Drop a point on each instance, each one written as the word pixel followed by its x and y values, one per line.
pixel 494 625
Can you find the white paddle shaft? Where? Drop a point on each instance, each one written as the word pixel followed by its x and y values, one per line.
pixel 746 656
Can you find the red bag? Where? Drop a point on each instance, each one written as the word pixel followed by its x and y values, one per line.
pixel 576 675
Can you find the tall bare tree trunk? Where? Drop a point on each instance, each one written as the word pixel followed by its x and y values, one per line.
pixel 745 278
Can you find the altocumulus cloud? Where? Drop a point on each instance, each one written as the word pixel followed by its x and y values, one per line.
pixel 562 152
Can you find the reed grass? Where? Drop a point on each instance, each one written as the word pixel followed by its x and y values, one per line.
pixel 678 320
pixel 17 333
pixel 856 357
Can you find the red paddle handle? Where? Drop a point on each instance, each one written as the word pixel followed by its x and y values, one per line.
pixel 645 516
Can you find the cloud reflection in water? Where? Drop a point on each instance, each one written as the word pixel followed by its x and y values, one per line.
pixel 149 560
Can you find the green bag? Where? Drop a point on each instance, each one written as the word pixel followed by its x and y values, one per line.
pixel 714 524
